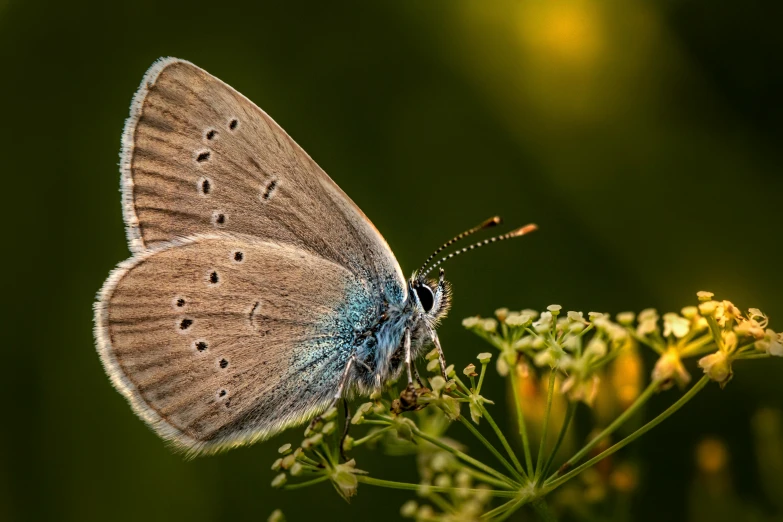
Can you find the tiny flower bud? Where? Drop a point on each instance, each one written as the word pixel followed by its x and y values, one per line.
pixel 408 510
pixel 285 449
pixel 626 318
pixel 576 316
pixel 437 383
pixel 432 355
pixel 689 312
pixel 288 461
pixel 484 357
pixel 594 315
pixel 279 480
pixel 470 370
pixel 555 309
pixel 443 481
pixel 329 414
pixel 708 308
pixel 717 366
pixel 450 371
pixel 433 365
pixel 328 428
pixel 489 325
pixel 277 464
pixel 348 443
pixel 296 469
pixel 471 322
pixel 501 314
pixel 704 296
pixel 276 516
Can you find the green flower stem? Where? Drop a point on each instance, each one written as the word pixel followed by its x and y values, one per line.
pixel 521 420
pixel 371 436
pixel 481 378
pixel 754 356
pixel 543 511
pixel 499 510
pixel 512 509
pixel 376 422
pixel 490 447
pixel 545 425
pixel 619 421
pixel 503 439
pixel 313 482
pixel 467 458
pixel 441 502
pixel 696 388
pixel 438 489
pixel 487 479
pixel 563 430
pixel 695 347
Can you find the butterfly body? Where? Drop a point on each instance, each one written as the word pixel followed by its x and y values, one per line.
pixel 258 293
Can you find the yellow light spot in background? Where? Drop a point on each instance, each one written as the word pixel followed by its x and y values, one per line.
pixel 563 33
pixel 711 455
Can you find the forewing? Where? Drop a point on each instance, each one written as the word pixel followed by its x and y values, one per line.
pixel 199 157
pixel 222 340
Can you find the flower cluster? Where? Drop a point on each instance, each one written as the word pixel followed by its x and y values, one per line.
pixel 555 362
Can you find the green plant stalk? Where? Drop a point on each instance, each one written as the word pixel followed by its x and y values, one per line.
pixel 490 447
pixel 301 485
pixel 545 425
pixel 487 479
pixel 371 436
pixel 521 420
pixel 512 509
pixel 498 510
pixel 481 378
pixel 441 502
pixel 503 439
pixel 619 421
pixel 438 489
pixel 563 430
pixel 467 458
pixel 696 388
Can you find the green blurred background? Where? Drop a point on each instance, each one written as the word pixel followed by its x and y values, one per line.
pixel 644 139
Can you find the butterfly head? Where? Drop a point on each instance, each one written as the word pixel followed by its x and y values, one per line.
pixel 432 296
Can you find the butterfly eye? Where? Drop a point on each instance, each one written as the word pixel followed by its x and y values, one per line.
pixel 426 297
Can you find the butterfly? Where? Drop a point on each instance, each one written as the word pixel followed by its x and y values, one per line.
pixel 258 293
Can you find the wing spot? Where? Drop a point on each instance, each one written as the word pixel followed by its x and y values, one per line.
pixel 203 156
pixel 205 186
pixel 223 363
pixel 201 346
pixel 213 278
pixel 219 218
pixel 270 188
pixel 211 133
pixel 222 393
pixel 180 302
pixel 233 124
pixel 185 324
pixel 239 256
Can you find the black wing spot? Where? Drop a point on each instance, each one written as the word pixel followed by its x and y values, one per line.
pixel 203 156
pixel 185 324
pixel 201 346
pixel 180 302
pixel 211 134
pixel 270 188
pixel 206 186
pixel 238 256
pixel 219 218
pixel 213 278
pixel 223 363
pixel 222 393
pixel 233 124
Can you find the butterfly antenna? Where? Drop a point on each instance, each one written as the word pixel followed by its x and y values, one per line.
pixel 521 231
pixel 491 222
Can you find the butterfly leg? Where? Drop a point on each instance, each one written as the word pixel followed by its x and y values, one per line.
pixel 441 357
pixel 340 389
pixel 408 363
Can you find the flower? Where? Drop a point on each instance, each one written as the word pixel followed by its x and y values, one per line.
pixel 718 367
pixel 344 479
pixel 276 516
pixel 669 369
pixel 675 325
pixel 772 343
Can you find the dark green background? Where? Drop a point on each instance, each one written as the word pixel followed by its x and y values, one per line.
pixel 643 138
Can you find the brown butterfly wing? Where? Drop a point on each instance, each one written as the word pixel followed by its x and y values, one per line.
pixel 222 340
pixel 198 157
